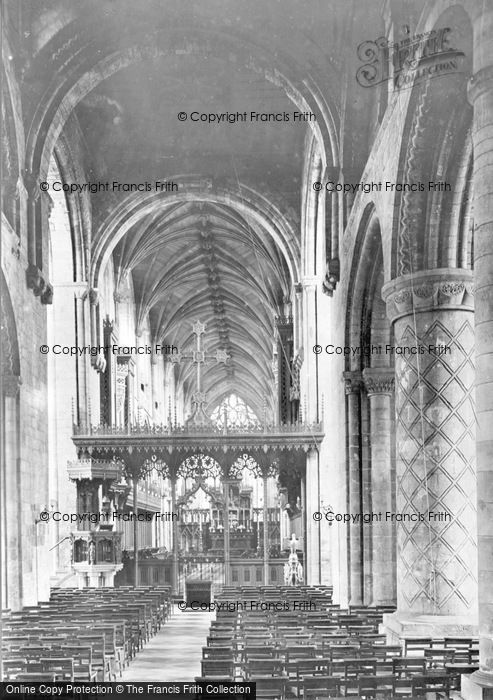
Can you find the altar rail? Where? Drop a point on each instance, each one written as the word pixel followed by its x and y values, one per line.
pixel 244 572
pixel 250 572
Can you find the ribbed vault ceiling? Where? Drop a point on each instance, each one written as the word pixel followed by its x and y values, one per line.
pixel 205 261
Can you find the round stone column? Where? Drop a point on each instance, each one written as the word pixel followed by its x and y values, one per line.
pixel 353 389
pixel 432 314
pixel 379 383
pixel 481 98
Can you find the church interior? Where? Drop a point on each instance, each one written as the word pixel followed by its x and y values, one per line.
pixel 247 345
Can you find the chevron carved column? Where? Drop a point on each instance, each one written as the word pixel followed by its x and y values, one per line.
pixel 432 313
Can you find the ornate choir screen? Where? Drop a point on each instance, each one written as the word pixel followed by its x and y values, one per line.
pixel 235 486
pixel 254 473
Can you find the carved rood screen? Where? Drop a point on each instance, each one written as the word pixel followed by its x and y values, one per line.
pixel 221 519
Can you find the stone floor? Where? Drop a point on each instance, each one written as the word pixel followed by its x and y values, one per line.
pixel 175 652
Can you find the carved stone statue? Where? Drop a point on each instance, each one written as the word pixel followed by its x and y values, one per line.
pixel 293 570
pixel 104 522
pixel 92 553
pixel 293 544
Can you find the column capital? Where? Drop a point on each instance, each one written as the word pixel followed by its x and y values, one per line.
pixel 379 380
pixel 283 322
pixel 352 382
pixel 429 290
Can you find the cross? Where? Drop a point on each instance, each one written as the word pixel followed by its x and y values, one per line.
pixel 199 357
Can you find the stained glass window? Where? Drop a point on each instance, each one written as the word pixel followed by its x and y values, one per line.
pixel 236 412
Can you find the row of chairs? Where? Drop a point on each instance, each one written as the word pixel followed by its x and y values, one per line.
pixel 296 655
pixel 366 687
pixel 87 634
pixel 353 676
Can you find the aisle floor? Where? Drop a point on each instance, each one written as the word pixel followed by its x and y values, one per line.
pixel 175 652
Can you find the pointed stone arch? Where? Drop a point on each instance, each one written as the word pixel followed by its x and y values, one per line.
pixel 10 475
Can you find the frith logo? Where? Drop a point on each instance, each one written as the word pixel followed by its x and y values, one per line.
pixel 421 56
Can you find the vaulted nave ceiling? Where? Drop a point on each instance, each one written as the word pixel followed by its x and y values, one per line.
pixel 225 248
pixel 203 261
